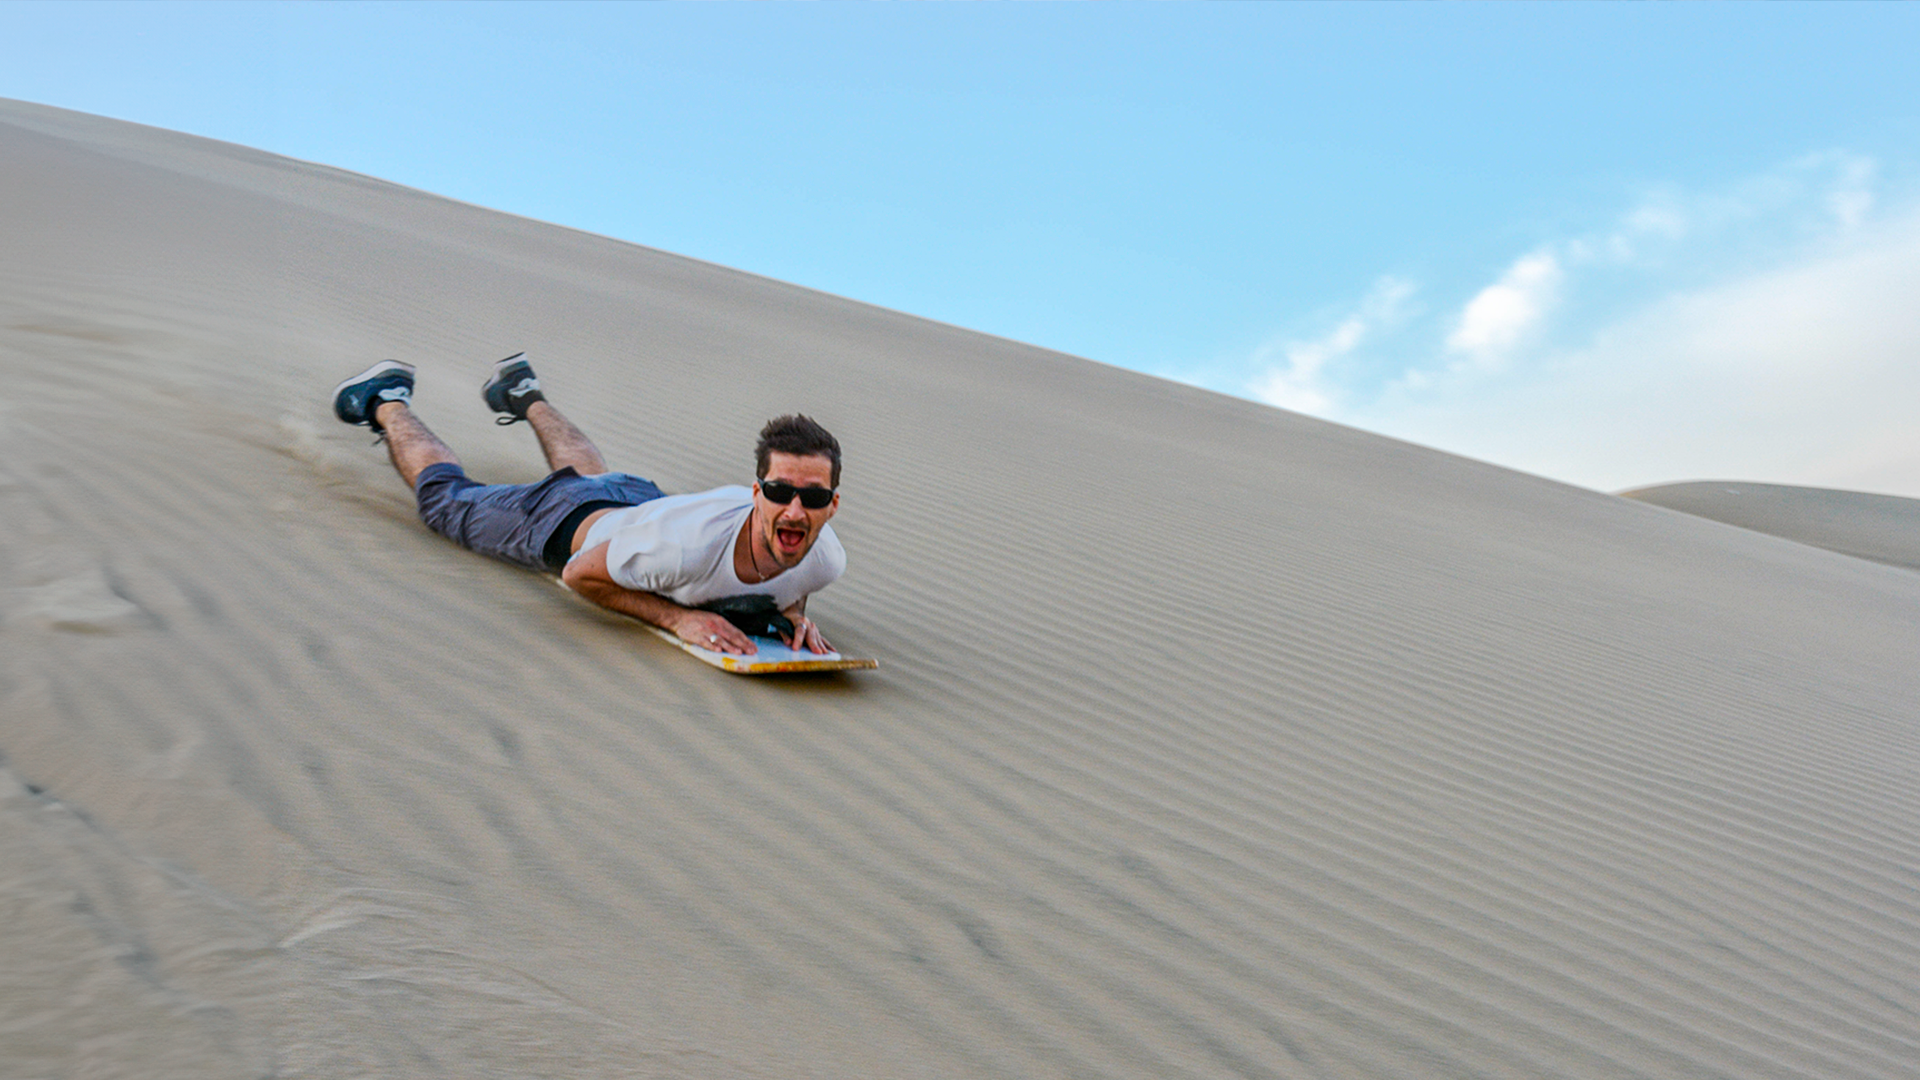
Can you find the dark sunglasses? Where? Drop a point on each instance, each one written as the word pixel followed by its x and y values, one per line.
pixel 780 493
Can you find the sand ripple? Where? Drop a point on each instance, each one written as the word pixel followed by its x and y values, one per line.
pixel 1210 740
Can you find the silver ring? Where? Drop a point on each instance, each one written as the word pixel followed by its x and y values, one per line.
pixel 711 638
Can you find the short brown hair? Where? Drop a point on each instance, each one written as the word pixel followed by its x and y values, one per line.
pixel 799 435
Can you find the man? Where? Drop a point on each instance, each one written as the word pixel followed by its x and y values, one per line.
pixel 681 562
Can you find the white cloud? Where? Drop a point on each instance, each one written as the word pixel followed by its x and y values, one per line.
pixel 1299 383
pixel 1850 197
pixel 1803 197
pixel 1296 385
pixel 1501 315
pixel 1803 374
pixel 1657 221
pixel 1766 331
pixel 1660 219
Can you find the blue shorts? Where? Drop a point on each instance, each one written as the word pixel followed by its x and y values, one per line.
pixel 514 522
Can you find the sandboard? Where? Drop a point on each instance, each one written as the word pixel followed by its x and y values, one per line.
pixel 774 658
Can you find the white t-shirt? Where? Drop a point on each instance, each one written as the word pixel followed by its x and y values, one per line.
pixel 681 547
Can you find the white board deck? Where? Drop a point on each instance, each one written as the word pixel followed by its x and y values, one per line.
pixel 774 658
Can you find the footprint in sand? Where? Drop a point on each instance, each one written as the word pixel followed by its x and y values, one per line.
pixel 81 603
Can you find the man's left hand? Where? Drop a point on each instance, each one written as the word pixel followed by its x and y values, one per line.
pixel 806 635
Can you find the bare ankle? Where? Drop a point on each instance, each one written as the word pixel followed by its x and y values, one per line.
pixel 386 412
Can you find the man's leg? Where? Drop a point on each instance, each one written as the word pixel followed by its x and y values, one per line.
pixel 514 392
pixel 563 443
pixel 409 443
pixel 379 398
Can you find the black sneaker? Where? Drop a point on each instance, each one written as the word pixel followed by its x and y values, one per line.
pixel 355 400
pixel 512 388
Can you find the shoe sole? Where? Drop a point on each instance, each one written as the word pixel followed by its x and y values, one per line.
pixel 499 372
pixel 380 368
pixel 499 369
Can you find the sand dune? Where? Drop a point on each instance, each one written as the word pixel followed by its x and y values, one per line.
pixel 1210 740
pixel 1884 528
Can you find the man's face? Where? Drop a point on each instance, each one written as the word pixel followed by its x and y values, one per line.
pixel 789 530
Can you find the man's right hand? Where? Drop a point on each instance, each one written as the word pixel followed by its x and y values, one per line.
pixel 711 631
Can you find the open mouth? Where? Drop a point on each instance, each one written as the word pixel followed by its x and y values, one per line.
pixel 790 540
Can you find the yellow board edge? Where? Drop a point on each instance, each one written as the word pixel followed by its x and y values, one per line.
pixel 747 665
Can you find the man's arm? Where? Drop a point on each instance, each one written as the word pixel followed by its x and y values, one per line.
pixel 587 575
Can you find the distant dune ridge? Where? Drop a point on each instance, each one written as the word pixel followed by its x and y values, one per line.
pixel 1211 740
pixel 1884 528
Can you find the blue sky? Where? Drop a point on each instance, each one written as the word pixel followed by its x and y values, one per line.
pixel 1612 244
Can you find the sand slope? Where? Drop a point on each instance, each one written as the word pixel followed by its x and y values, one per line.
pixel 1884 528
pixel 1211 740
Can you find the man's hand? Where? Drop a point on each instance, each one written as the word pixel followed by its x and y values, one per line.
pixel 710 631
pixel 806 632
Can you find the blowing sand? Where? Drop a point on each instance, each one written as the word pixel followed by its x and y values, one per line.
pixel 1210 740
